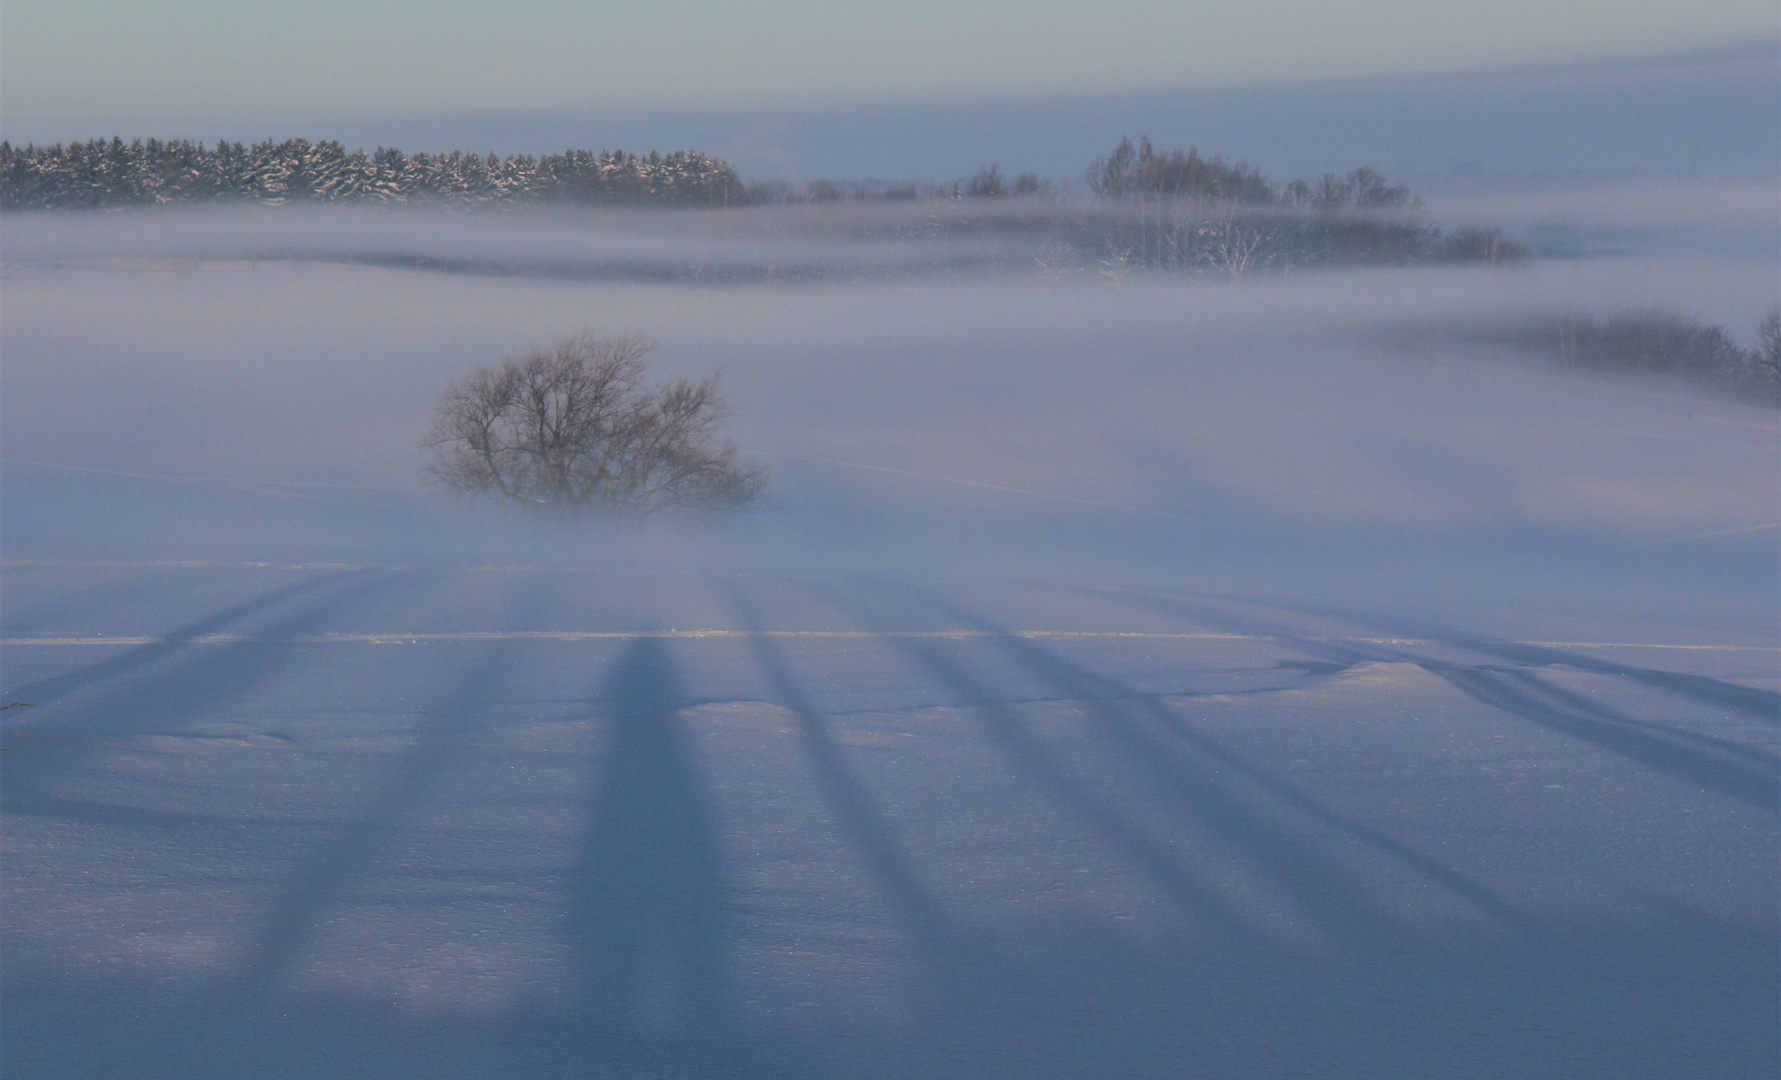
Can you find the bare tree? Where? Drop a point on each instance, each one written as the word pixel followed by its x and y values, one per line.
pixel 573 428
pixel 1763 371
pixel 1226 244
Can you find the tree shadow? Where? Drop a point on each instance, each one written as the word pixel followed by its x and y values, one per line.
pixel 648 891
pixel 898 880
pixel 1152 855
pixel 289 923
pixel 999 999
pixel 1746 774
pixel 646 916
pixel 45 691
pixel 1759 704
pixel 57 742
pixel 1297 863
pixel 338 851
pixel 651 917
pixel 1736 772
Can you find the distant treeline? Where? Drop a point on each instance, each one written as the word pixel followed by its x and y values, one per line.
pixel 1653 342
pixel 1179 210
pixel 1150 209
pixel 150 171
pixel 1131 172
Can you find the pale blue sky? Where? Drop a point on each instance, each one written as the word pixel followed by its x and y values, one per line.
pixel 121 63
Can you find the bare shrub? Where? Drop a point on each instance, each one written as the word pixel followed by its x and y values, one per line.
pixel 572 427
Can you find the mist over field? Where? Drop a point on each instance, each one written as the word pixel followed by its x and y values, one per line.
pixel 272 348
pixel 1126 673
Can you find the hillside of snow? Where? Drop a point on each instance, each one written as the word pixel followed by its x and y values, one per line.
pixel 1127 675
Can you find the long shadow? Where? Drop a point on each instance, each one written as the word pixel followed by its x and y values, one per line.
pixel 1600 1002
pixel 45 691
pixel 1745 773
pixel 289 924
pixel 1675 754
pixel 1580 705
pixel 1740 771
pixel 1151 855
pixel 648 890
pixel 1760 704
pixel 60 741
pixel 1726 768
pixel 898 880
pixel 984 990
pixel 1296 863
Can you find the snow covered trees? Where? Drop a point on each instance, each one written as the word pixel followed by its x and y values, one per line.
pixel 571 427
pixel 115 173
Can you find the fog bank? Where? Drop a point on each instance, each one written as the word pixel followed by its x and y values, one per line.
pixel 914 416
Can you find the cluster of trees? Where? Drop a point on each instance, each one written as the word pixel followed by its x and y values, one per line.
pixel 1664 344
pixel 1177 210
pixel 116 173
pixel 989 184
pixel 1132 171
pixel 1136 171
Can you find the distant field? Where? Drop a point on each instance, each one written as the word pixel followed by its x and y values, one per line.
pixel 1126 676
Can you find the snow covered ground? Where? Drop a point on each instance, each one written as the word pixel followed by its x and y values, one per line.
pixel 1162 677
